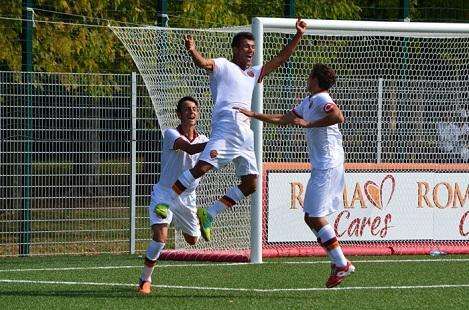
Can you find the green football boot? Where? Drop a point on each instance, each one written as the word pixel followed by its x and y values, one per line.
pixel 205 220
pixel 162 210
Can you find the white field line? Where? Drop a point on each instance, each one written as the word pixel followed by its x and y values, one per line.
pixel 378 261
pixel 241 289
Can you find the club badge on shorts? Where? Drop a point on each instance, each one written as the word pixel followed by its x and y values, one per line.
pixel 213 153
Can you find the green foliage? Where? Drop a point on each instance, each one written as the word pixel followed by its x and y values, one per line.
pixel 10 44
pixel 61 47
pixel 119 166
pixel 222 13
pixel 44 168
pixel 326 9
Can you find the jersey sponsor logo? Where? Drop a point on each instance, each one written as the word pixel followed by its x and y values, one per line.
pixel 328 107
pixel 213 153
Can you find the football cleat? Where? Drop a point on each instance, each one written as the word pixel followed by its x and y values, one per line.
pixel 205 220
pixel 144 287
pixel 162 210
pixel 338 274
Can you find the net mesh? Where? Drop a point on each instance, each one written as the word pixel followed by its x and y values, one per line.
pixel 405 100
pixel 169 74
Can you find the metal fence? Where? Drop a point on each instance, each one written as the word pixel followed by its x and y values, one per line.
pixel 69 145
pixel 80 152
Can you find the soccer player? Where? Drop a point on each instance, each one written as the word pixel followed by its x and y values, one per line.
pixel 231 139
pixel 320 116
pixel 181 146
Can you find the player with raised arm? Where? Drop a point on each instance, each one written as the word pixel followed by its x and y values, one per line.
pixel 231 139
pixel 320 116
pixel 181 148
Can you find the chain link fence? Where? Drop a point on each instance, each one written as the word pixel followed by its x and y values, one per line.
pixel 79 153
pixel 66 161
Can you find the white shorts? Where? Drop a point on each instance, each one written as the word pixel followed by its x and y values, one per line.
pixel 236 146
pixel 184 217
pixel 324 193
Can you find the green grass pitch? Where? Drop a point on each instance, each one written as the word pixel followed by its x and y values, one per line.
pixel 108 282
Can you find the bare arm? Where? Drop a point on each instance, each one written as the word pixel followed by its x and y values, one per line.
pixel 334 116
pixel 278 119
pixel 199 60
pixel 283 56
pixel 191 149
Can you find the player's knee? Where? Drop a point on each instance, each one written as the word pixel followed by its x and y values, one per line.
pixel 252 188
pixel 248 185
pixel 247 189
pixel 191 240
pixel 159 239
pixel 160 233
pixel 200 169
pixel 315 223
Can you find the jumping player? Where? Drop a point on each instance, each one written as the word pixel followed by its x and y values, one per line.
pixel 231 139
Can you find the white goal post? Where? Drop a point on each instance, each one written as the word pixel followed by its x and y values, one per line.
pixel 404 90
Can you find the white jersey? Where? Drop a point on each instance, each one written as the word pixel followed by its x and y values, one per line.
pixel 231 87
pixel 174 162
pixel 324 143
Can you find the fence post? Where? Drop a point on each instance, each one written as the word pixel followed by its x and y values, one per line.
pixel 27 65
pixel 133 163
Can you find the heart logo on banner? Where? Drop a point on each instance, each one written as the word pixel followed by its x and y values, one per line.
pixel 374 193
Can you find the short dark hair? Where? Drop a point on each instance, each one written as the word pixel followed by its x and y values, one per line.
pixel 326 75
pixel 240 36
pixel 181 101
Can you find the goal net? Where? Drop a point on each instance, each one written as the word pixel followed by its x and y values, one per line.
pixel 404 91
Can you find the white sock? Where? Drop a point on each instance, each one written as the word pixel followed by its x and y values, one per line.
pixel 233 193
pixel 336 255
pixel 216 208
pixel 187 179
pixel 153 252
pixel 317 236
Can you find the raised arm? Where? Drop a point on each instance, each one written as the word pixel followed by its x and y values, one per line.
pixel 283 56
pixel 191 149
pixel 199 60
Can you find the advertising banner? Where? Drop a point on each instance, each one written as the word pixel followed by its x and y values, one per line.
pixel 391 206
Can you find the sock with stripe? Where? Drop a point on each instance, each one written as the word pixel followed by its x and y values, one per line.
pixel 329 241
pixel 153 252
pixel 232 197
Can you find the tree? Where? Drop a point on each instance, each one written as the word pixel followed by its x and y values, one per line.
pixel 60 47
pixel 10 45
